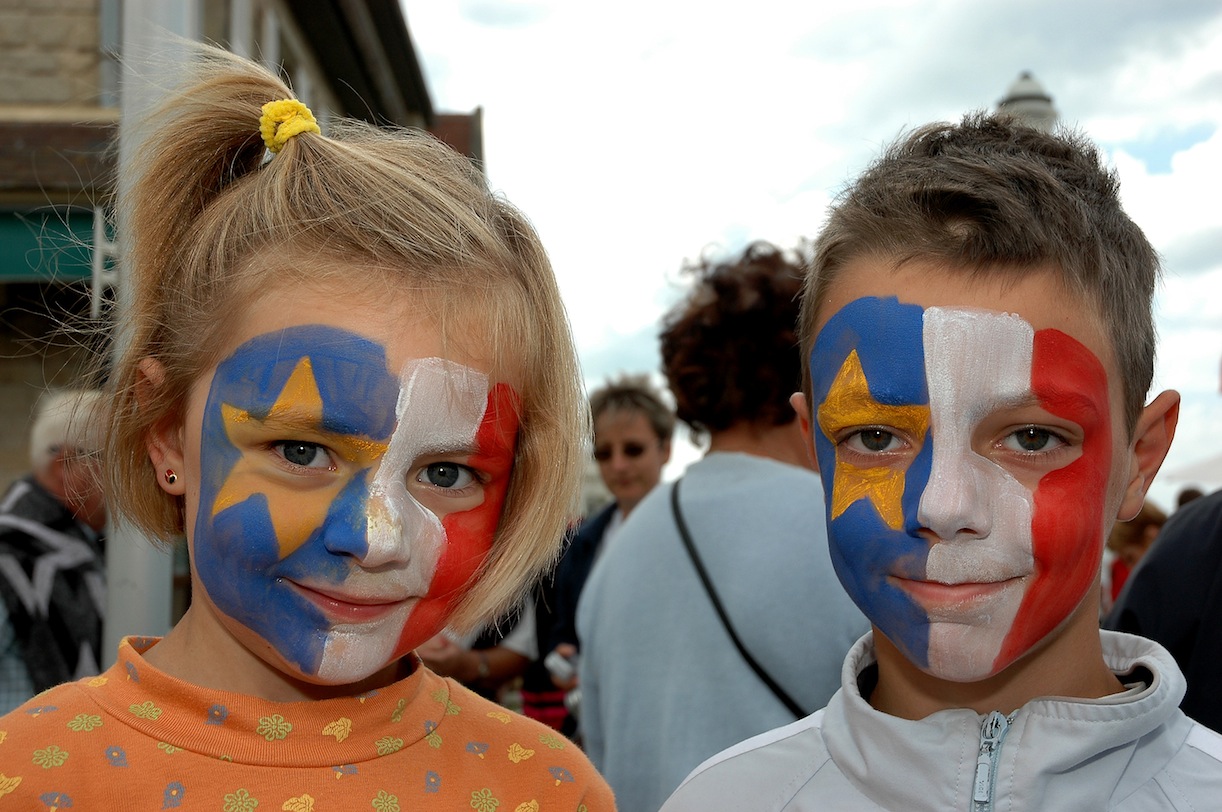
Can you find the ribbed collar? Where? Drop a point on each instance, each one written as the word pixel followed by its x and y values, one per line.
pixel 249 730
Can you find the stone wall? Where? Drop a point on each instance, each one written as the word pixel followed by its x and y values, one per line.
pixel 49 52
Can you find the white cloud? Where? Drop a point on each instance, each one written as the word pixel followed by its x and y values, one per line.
pixel 636 134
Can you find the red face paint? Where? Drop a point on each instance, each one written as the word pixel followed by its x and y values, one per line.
pixel 1068 523
pixel 470 533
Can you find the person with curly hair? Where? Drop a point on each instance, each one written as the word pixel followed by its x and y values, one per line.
pixel 663 686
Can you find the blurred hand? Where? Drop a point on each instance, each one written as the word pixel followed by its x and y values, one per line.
pixel 569 652
pixel 445 657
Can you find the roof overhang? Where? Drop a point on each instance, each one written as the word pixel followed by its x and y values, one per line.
pixel 364 45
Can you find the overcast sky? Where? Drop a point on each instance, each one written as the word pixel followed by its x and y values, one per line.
pixel 638 134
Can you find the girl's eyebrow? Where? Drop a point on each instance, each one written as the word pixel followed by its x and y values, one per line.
pixel 294 417
pixel 305 422
pixel 439 450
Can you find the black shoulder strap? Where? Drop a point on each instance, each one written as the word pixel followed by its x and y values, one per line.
pixel 764 676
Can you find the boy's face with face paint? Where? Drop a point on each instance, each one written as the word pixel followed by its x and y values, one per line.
pixel 971 441
pixel 345 479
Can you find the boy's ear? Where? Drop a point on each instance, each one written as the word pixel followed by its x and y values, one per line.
pixel 798 401
pixel 164 438
pixel 1151 440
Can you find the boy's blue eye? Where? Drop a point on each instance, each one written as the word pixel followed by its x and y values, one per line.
pixel 447 475
pixel 303 454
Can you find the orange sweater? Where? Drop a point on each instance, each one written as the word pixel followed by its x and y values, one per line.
pixel 136 738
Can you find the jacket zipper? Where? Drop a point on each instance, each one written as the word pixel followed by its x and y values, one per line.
pixel 991 734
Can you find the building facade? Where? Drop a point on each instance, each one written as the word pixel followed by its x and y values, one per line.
pixel 60 104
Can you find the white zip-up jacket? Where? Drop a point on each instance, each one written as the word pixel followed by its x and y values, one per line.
pixel 1132 751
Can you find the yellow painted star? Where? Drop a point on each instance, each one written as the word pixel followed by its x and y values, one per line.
pixel 295 512
pixel 849 404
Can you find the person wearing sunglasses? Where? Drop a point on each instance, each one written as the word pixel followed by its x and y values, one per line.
pixel 633 426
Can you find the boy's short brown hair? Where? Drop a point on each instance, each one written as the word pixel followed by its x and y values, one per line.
pixel 990 195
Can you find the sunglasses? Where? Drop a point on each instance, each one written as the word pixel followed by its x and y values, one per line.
pixel 629 450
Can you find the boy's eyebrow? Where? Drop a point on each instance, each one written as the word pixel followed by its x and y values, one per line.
pixel 1021 401
pixel 1077 401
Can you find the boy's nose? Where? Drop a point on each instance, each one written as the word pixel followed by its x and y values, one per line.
pixel 957 500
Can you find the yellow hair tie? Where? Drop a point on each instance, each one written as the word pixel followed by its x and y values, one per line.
pixel 283 119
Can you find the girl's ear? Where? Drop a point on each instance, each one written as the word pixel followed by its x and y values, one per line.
pixel 164 438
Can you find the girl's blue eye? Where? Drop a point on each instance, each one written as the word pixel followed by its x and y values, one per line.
pixel 304 455
pixel 447 475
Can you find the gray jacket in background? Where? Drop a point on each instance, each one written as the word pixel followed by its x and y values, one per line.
pixel 663 687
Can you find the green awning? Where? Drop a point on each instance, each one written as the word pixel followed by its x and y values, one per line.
pixel 46 245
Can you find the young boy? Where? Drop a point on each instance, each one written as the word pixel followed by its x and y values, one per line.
pixel 978 326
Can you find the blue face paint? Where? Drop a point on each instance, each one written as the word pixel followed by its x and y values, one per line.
pixel 884 337
pixel 242 552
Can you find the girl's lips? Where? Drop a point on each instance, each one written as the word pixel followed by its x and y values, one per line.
pixel 349 608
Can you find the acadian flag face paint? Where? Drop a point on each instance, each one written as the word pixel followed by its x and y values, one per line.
pixel 344 506
pixel 965 456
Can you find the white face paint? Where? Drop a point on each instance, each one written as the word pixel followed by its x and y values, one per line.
pixel 977 363
pixel 440 407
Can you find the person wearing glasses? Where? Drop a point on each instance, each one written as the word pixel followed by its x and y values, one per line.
pixel 52 552
pixel 633 427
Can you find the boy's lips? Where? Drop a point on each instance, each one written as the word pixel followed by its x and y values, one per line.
pixel 934 595
pixel 349 608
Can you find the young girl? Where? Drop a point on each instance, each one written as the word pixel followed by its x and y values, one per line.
pixel 348 380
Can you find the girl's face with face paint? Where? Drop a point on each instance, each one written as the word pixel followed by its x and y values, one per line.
pixel 345 476
pixel 971 444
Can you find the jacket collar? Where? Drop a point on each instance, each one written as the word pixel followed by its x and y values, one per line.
pixel 933 760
